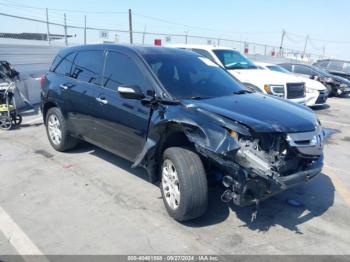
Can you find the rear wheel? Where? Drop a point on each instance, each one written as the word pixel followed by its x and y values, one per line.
pixel 183 184
pixel 57 132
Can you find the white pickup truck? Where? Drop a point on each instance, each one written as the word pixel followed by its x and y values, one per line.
pixel 316 93
pixel 270 82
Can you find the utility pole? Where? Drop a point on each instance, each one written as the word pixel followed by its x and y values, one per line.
pixel 144 33
pixel 324 51
pixel 47 26
pixel 306 40
pixel 282 40
pixel 65 30
pixel 130 26
pixel 84 29
pixel 186 36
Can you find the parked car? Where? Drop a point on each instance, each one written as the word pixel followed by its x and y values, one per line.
pixel 184 119
pixel 336 85
pixel 250 75
pixel 335 67
pixel 316 93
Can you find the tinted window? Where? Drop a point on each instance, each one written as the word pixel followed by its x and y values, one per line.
pixel 322 64
pixel 88 66
pixel 347 68
pixel 63 65
pixel 203 53
pixel 300 69
pixel 234 60
pixel 335 66
pixel 121 70
pixel 189 76
pixel 287 67
pixel 277 68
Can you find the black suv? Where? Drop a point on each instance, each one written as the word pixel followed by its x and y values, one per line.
pixel 336 85
pixel 335 67
pixel 184 119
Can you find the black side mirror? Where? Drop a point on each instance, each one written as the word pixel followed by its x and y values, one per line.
pixel 131 92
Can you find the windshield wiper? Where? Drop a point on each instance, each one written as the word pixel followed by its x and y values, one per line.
pixel 197 97
pixel 242 91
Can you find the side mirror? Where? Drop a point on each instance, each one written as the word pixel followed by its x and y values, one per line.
pixel 313 77
pixel 131 92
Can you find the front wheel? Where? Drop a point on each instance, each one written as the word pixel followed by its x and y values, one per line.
pixel 183 184
pixel 330 90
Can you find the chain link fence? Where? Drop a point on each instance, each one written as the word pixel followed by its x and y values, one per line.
pixel 42 39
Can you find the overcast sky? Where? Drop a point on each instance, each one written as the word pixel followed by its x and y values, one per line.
pixel 326 22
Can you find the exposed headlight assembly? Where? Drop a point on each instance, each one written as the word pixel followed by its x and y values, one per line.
pixel 276 90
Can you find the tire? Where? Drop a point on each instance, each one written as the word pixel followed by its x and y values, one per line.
pixel 330 90
pixel 66 142
pixel 191 184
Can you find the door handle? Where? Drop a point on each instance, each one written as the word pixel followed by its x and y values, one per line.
pixel 102 100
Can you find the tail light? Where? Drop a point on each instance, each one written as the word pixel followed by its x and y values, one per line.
pixel 42 81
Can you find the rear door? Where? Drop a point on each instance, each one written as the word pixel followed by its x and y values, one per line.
pixel 122 123
pixel 81 93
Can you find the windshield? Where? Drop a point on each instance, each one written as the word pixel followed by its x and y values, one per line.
pixel 278 69
pixel 187 76
pixel 321 71
pixel 234 60
pixel 347 68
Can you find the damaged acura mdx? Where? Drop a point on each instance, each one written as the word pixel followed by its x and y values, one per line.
pixel 183 118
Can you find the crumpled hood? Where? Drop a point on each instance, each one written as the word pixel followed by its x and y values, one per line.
pixel 261 113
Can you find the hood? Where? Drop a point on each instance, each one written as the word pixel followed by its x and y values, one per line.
pixel 313 84
pixel 261 113
pixel 341 80
pixel 260 77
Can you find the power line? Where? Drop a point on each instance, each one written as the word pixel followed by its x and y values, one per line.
pixel 61 10
pixel 196 27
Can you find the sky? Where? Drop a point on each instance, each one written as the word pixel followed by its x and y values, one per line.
pixel 325 22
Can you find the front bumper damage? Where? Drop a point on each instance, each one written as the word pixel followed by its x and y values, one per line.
pixel 252 166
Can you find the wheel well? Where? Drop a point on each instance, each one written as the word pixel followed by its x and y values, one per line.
pixel 173 137
pixel 46 108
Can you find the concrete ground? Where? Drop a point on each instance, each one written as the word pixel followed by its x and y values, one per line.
pixel 89 201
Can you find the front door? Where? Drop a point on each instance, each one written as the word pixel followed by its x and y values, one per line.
pixel 122 123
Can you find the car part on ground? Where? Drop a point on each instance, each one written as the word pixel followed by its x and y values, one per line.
pixel 185 119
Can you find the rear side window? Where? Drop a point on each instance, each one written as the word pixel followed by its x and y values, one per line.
pixel 62 65
pixel 300 69
pixel 88 66
pixel 287 67
pixel 322 64
pixel 335 66
pixel 121 70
